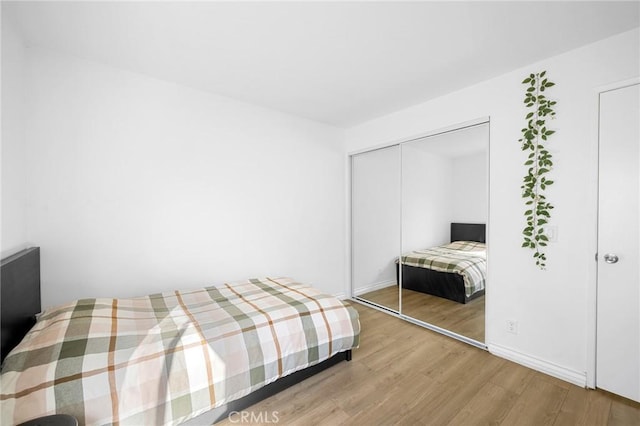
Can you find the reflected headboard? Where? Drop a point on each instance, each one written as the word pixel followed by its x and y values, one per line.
pixel 469 232
pixel 19 297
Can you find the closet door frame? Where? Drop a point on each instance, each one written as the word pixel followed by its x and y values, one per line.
pixel 400 142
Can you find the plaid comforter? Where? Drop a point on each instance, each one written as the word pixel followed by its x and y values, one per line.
pixel 466 258
pixel 165 358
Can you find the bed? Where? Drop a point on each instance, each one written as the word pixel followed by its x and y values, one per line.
pixel 166 358
pixel 455 271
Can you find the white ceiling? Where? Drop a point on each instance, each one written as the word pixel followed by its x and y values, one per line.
pixel 340 63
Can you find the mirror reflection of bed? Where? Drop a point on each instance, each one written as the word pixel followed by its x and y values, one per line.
pixel 428 189
pixel 444 285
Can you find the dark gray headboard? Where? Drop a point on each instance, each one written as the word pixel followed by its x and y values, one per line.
pixel 469 232
pixel 19 297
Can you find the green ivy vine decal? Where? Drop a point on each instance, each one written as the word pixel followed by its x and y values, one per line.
pixel 539 163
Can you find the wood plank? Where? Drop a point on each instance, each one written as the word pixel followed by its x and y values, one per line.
pixel 538 405
pixel 489 406
pixel 513 377
pixel 623 412
pixel 584 406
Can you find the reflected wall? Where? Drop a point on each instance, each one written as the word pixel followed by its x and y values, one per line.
pixel 375 210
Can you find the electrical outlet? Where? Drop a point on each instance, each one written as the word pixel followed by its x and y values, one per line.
pixel 512 326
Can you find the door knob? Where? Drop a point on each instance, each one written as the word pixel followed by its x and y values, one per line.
pixel 610 258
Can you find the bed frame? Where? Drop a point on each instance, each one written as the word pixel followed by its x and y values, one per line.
pixel 19 297
pixel 444 284
pixel 20 302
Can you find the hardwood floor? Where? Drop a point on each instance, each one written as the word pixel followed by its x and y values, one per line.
pixel 403 374
pixel 465 319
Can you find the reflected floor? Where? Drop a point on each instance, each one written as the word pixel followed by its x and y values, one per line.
pixel 464 319
pixel 387 297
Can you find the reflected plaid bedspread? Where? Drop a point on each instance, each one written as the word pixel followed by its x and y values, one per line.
pixel 466 258
pixel 165 358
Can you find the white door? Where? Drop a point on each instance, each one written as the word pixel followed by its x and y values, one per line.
pixel 618 318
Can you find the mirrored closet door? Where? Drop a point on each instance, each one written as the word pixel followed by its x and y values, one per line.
pixel 423 204
pixel 375 213
pixel 444 216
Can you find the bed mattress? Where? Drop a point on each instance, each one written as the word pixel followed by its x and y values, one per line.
pixel 166 358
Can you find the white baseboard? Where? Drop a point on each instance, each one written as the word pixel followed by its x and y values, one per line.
pixel 340 295
pixel 578 378
pixel 373 287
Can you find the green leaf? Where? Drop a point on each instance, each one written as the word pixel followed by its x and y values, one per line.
pixel 543 73
pixel 526 80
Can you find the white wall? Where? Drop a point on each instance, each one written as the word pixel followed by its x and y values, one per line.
pixel 14 227
pixel 469 189
pixel 553 307
pixel 136 185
